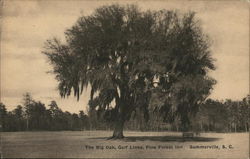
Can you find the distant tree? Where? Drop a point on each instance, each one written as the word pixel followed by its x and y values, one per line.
pixel 76 122
pixel 37 116
pixel 125 54
pixel 245 113
pixel 27 101
pixel 57 117
pixel 214 115
pixel 18 111
pixel 18 114
pixel 10 122
pixel 84 120
pixel 54 109
pixel 3 114
pixel 93 121
pixel 66 121
pixel 241 112
pixel 233 110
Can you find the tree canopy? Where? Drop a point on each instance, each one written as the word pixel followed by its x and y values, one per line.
pixel 129 56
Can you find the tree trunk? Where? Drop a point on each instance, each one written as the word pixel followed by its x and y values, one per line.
pixel 118 131
pixel 121 113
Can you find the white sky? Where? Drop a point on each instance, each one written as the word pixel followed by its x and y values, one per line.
pixel 26 25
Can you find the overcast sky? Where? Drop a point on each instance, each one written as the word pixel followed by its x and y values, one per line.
pixel 27 25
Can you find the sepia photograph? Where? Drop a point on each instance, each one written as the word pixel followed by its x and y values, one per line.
pixel 124 79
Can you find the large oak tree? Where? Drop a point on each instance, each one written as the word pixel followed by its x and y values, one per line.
pixel 128 56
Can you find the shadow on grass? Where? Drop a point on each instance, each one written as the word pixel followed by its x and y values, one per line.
pixel 164 139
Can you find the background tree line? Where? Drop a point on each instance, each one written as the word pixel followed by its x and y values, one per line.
pixel 34 116
pixel 213 115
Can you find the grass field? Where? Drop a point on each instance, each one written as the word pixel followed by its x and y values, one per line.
pixel 89 144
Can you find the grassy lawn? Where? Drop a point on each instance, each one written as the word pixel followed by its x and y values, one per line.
pixel 87 144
